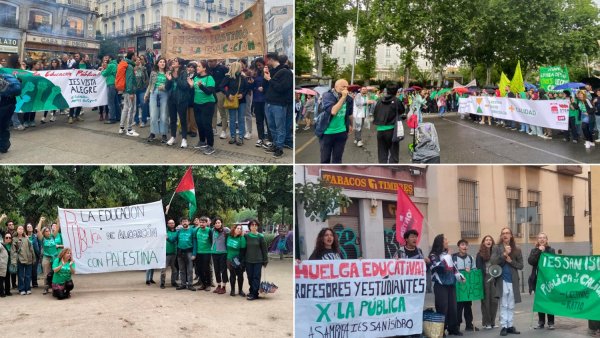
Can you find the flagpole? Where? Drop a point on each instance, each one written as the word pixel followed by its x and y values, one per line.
pixel 171 200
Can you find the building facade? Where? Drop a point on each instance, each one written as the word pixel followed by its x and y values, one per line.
pixel 135 24
pixel 466 202
pixel 44 29
pixel 279 21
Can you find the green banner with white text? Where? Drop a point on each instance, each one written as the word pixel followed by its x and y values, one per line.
pixel 551 77
pixel 568 286
pixel 472 288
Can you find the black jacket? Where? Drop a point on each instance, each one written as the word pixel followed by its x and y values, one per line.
pixel 218 73
pixel 279 88
pixel 387 111
pixel 183 92
pixel 533 259
pixel 229 86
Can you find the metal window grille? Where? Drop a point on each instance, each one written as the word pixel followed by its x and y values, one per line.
pixel 534 200
pixel 568 205
pixel 468 204
pixel 513 201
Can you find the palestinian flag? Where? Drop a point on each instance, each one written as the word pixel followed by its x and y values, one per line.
pixel 186 190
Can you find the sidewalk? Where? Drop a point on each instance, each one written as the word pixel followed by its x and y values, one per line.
pixel 524 320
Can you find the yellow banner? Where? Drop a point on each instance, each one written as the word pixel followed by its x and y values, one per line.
pixel 239 37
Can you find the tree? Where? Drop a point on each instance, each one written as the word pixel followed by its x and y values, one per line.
pixel 323 21
pixel 320 199
pixel 108 47
pixel 367 37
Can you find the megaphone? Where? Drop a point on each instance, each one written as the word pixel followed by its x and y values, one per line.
pixel 494 271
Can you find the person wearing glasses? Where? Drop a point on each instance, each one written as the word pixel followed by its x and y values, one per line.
pixel 510 258
pixel 255 258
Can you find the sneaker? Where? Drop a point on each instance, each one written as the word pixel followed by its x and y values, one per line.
pixel 207 289
pixel 355 141
pixel 597 140
pixel 248 136
pixel 53 118
pixel 79 118
pixel 171 141
pixel 306 128
pixel 121 130
pixel 43 120
pixel 359 143
pixel 259 143
pixel 32 124
pixel 217 290
pixel 200 145
pixel 270 149
pixel 287 146
pixel 503 332
pixel 191 288
pixel 132 133
pixel 151 137
pixel 209 150
pixel 240 142
pixel 215 132
pixel 70 120
pixel 587 145
pixel 183 143
pixel 162 286
pixel 539 327
pixel 487 327
pixel 232 293
pixel 28 292
pixel 181 287
pixel 251 297
pixel 278 153
pixel 20 127
pixel 242 294
pixel 163 139
pixel 512 330
pixel 142 124
pixel 22 293
pixel 550 326
pixel 223 135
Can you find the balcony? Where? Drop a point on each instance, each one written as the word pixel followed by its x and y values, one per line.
pixel 82 4
pixel 570 170
pixel 183 2
pixel 141 5
pixel 222 10
pixel 9 22
pixel 156 2
pixel 131 8
pixel 233 12
pixel 211 7
pixel 199 4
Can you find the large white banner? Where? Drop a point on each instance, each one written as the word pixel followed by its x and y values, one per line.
pixel 79 87
pixel 553 114
pixel 115 239
pixel 359 298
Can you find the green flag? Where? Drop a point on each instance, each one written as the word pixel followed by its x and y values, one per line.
pixel 568 286
pixel 503 83
pixel 516 84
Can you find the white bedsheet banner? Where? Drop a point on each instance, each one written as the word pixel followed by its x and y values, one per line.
pixel 115 239
pixel 553 114
pixel 359 298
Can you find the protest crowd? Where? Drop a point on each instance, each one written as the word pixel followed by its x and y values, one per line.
pixel 203 252
pixel 350 111
pixel 498 261
pixel 175 99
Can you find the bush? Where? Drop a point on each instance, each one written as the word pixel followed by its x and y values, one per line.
pixel 269 238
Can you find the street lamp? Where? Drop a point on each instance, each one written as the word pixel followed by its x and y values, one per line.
pixel 209 4
pixel 355 42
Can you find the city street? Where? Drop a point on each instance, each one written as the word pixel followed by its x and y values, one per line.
pixel 524 321
pixel 93 142
pixel 461 141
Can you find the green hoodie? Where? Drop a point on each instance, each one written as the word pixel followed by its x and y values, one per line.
pixel 110 72
pixel 130 77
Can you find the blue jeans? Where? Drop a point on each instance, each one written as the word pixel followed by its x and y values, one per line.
pixel 289 126
pixel 158 117
pixel 276 119
pixel 141 104
pixel 442 110
pixel 239 115
pixel 149 275
pixel 114 110
pixel 15 120
pixel 524 127
pixel 253 270
pixel 24 273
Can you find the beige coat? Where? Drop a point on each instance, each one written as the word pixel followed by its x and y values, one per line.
pixel 3 260
pixel 25 254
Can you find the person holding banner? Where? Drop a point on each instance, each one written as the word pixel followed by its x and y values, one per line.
pixel 489 303
pixel 463 261
pixel 574 119
pixel 179 95
pixel 533 260
pixel 49 250
pixel 219 254
pixel 22 256
pixel 443 275
pixel 74 112
pixel 114 109
pixel 255 259
pixel 64 269
pixel 236 249
pixel 186 248
pixel 171 250
pixel 509 257
pixel 157 91
pixel 327 246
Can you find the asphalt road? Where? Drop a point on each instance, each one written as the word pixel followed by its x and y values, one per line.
pixel 93 142
pixel 462 141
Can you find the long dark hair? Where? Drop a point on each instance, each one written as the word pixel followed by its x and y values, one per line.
pixel 155 68
pixel 438 245
pixel 320 244
pixel 484 252
pixel 57 64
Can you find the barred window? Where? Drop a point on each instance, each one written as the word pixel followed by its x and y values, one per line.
pixel 534 200
pixel 513 201
pixel 468 204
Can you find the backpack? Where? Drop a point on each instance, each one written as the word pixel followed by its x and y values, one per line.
pixel 121 75
pixel 320 118
pixel 10 86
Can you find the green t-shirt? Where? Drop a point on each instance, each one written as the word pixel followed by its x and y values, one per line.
pixel 203 241
pixel 49 245
pixel 234 245
pixel 161 79
pixel 82 65
pixel 184 238
pixel 59 241
pixel 338 122
pixel 171 248
pixel 64 274
pixel 201 97
pixel 384 128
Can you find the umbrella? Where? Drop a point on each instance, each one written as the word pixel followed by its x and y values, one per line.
pixel 321 89
pixel 490 86
pixel 461 90
pixel 412 121
pixel 416 88
pixel 409 89
pixel 529 86
pixel 570 85
pixel 306 91
pixel 353 88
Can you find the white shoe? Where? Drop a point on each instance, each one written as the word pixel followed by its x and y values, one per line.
pixel 223 135
pixel 248 136
pixel 592 144
pixel 132 133
pixel 29 292
pixel 20 127
pixel 355 141
pixel 412 132
pixel 183 143
pixel 22 293
pixel 308 127
pixel 482 122
pixel 53 118
pixel 587 145
pixel 215 132
pixel 171 141
pixel 121 130
pixel 359 143
pixel 597 140
pixel 142 124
